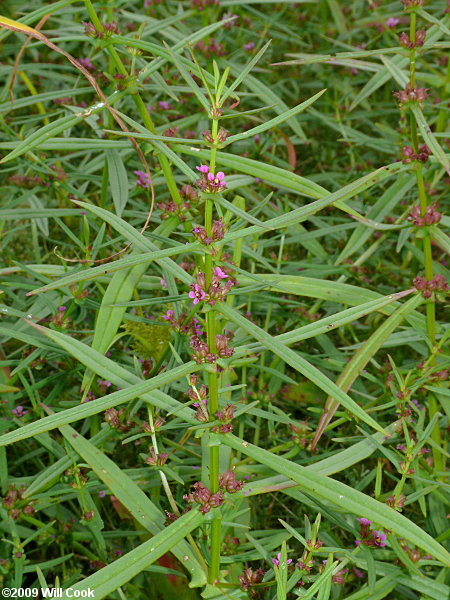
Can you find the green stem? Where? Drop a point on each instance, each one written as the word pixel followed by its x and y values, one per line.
pixel 213 382
pixel 93 15
pixel 412 54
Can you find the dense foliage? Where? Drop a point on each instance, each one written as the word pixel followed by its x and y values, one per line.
pixel 224 351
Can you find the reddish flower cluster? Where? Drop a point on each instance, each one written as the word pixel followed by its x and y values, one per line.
pixel 217 233
pixel 19 411
pixel 405 41
pixel 431 216
pixel 188 192
pixel 225 416
pixel 200 395
pixel 409 154
pixel 222 344
pixel 210 182
pixel 171 132
pixel 201 495
pixel 221 136
pixel 213 48
pixel 201 4
pixel 26 181
pixel 410 94
pixel 16 504
pixel 412 3
pixel 107 30
pixel 229 483
pixel 300 432
pixel 192 327
pixel 339 577
pixel 30 181
pixel 156 459
pixel 250 577
pixel 171 517
pixel 60 319
pixel 200 351
pixel 171 208
pixel 371 538
pixel 218 289
pixel 115 419
pixel 437 284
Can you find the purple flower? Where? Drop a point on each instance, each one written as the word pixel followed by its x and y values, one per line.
pixel 364 521
pixel 102 494
pixel 392 22
pixel 203 168
pixel 164 105
pixel 197 294
pixel 163 283
pixel 379 538
pixel 276 561
pixel 249 46
pixel 143 180
pixel 86 63
pixel 19 411
pixel 62 308
pixel 168 316
pixel 219 273
pixel 216 181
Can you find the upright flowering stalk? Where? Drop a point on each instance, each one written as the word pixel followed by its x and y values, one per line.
pixel 408 98
pixel 211 183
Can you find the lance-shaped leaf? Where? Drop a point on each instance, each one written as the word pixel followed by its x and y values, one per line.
pixel 114 575
pixel 339 494
pixel 132 497
pixel 334 291
pixel 329 323
pixel 276 120
pixel 134 237
pixel 297 362
pixel 118 265
pixel 115 373
pixel 355 366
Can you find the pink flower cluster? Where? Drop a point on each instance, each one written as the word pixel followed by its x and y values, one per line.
pixel 143 179
pixel 218 289
pixel 276 561
pixel 210 182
